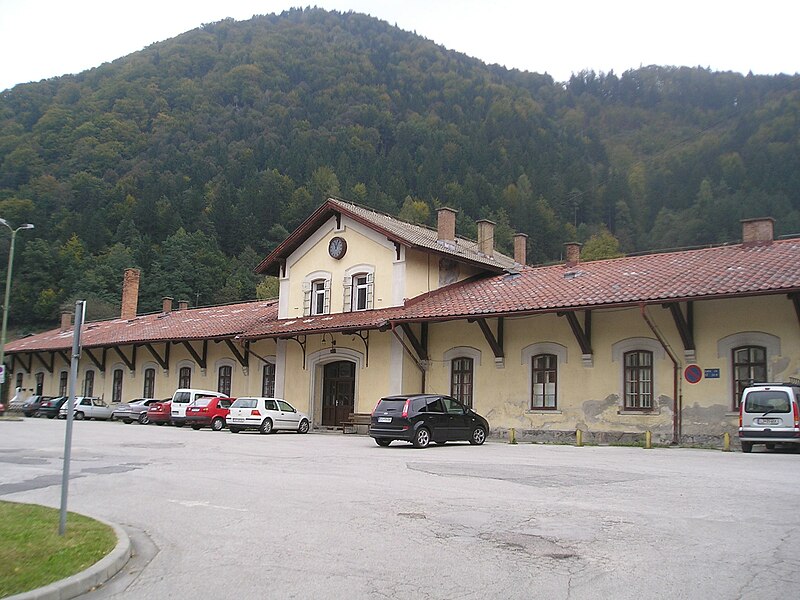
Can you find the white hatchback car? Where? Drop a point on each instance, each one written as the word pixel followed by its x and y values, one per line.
pixel 266 415
pixel 88 408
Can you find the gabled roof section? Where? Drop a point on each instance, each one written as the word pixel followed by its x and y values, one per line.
pixel 720 272
pixel 414 236
pixel 214 322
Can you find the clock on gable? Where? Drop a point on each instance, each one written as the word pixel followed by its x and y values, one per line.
pixel 337 247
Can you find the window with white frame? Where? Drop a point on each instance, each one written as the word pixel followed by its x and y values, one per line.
pixel 462 374
pixel 224 380
pixel 185 377
pixel 359 289
pixel 268 380
pixel 88 383
pixel 638 380
pixel 544 370
pixel 116 388
pixel 148 391
pixel 749 366
pixel 317 294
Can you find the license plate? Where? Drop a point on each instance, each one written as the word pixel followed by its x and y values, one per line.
pixel 769 421
pixel 235 420
pixel 174 412
pixel 384 419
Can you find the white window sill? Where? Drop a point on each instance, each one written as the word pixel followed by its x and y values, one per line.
pixel 539 411
pixel 640 413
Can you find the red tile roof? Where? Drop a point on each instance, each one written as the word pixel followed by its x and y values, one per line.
pixel 725 271
pixel 199 323
pixel 686 275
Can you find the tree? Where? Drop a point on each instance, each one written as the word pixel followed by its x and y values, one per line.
pixel 599 246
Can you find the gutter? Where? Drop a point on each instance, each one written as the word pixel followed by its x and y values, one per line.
pixel 677 394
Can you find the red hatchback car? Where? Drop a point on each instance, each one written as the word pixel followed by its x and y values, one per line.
pixel 205 412
pixel 158 412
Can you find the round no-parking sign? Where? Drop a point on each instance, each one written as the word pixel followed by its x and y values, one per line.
pixel 693 373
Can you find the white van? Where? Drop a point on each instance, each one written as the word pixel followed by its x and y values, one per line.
pixel 769 414
pixel 182 398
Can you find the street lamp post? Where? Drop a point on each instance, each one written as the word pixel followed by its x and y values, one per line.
pixel 8 291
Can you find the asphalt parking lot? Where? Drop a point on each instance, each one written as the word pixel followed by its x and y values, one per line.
pixel 218 515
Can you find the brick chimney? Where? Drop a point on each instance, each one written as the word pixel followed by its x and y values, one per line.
pixel 486 237
pixel 573 252
pixel 166 304
pixel 130 294
pixel 758 231
pixel 520 248
pixel 66 320
pixel 446 226
pixel 183 304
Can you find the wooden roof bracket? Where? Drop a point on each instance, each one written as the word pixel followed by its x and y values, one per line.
pixel 420 344
pixel 495 343
pixel 685 327
pixel 301 340
pixel 162 361
pixel 47 366
pixel 583 335
pixel 242 357
pixel 18 357
pixel 364 335
pixel 200 360
pixel 131 364
pixel 101 365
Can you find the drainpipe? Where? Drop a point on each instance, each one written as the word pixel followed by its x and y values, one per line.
pixel 677 400
pixel 411 354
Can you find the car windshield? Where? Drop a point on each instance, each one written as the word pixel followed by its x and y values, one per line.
pixel 181 397
pixel 762 401
pixel 202 402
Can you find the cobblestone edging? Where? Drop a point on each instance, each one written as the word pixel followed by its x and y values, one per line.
pixel 88 579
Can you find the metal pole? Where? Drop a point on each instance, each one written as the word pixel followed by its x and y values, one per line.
pixel 80 307
pixel 8 292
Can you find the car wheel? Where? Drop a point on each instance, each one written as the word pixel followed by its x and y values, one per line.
pixel 127 421
pixel 143 419
pixel 233 429
pixel 196 427
pixel 51 416
pixel 160 423
pixel 422 438
pixel 266 426
pixel 747 446
pixel 178 424
pixel 478 436
pixel 79 416
pixel 217 424
pixel 303 426
pixel 770 446
pixel 382 442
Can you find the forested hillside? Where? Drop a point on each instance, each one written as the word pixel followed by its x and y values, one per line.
pixel 193 158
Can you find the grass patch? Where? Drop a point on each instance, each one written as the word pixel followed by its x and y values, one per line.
pixel 32 554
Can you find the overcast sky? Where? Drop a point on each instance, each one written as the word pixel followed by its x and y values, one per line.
pixel 47 38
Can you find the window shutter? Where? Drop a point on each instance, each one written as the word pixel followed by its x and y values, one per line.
pixel 347 299
pixel 327 309
pixel 306 298
pixel 370 288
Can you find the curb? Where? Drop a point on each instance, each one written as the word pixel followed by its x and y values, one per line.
pixel 88 579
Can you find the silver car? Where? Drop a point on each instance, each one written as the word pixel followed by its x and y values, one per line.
pixel 135 410
pixel 88 408
pixel 769 414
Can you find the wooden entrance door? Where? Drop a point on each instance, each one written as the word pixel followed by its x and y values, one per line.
pixel 338 392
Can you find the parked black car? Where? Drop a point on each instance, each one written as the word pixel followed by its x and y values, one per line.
pixel 32 404
pixel 49 408
pixel 425 418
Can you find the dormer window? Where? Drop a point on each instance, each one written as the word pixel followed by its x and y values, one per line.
pixel 317 295
pixel 359 288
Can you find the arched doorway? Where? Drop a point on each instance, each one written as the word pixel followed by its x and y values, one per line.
pixel 338 392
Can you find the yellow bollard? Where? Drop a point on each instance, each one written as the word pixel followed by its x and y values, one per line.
pixel 578 437
pixel 648 440
pixel 512 436
pixel 726 442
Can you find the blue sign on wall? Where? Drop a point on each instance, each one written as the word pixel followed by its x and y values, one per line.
pixel 711 373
